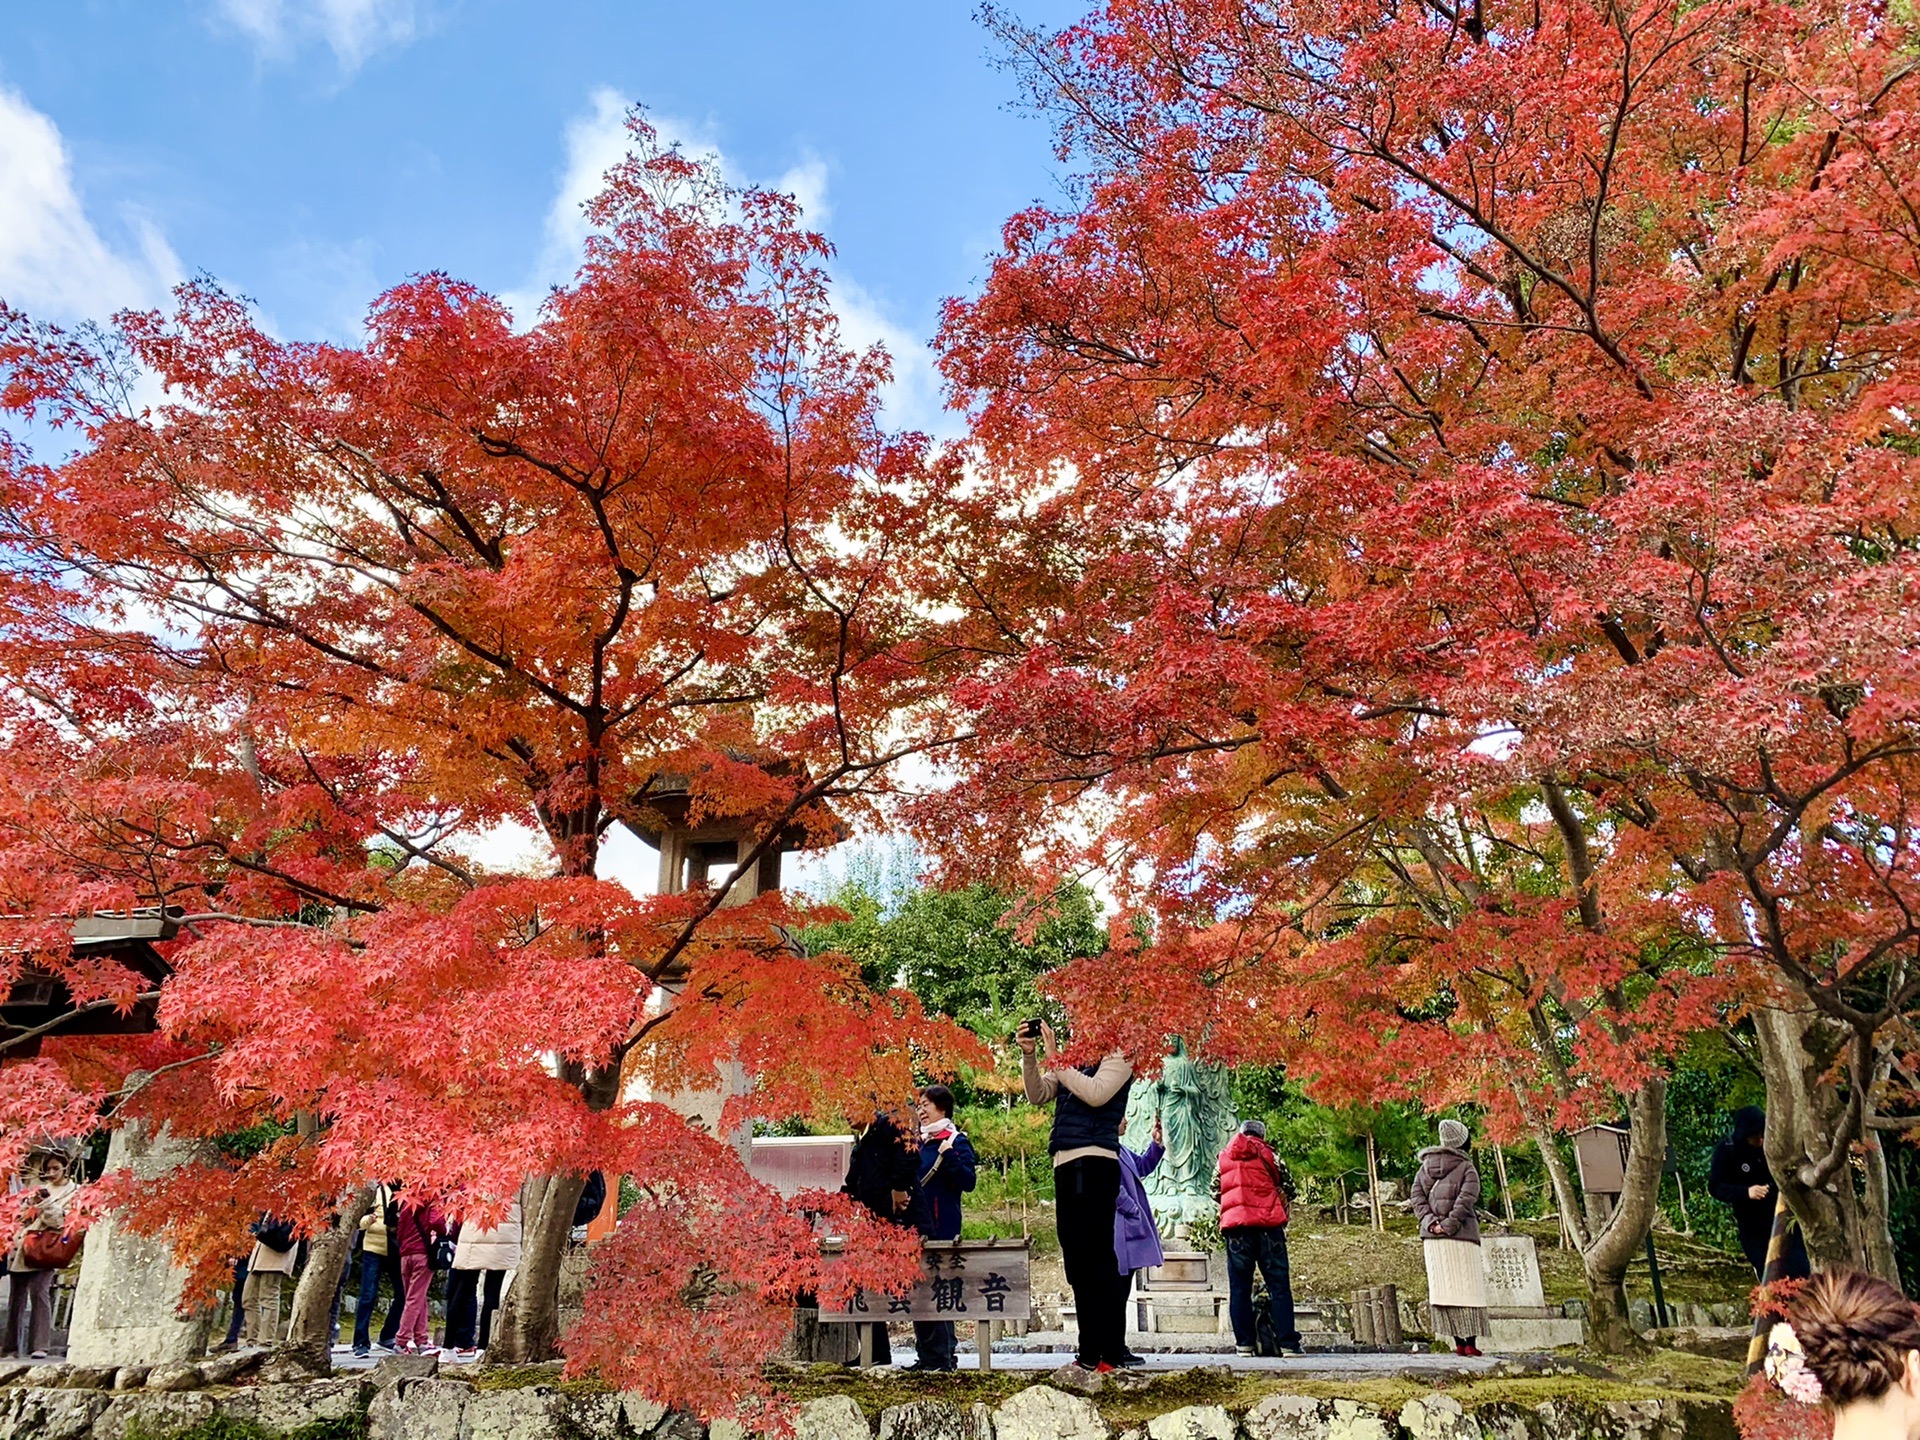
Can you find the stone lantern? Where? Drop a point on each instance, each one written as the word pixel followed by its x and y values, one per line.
pixel 698 852
pixel 703 851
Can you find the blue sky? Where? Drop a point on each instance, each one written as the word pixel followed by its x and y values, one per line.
pixel 311 152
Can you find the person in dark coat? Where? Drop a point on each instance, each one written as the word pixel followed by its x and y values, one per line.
pixel 883 1176
pixel 948 1170
pixel 1739 1179
pixel 1089 1109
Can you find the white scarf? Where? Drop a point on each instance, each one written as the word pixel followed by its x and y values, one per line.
pixel 939 1129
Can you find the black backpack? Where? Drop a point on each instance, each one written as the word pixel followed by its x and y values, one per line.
pixel 390 1217
pixel 591 1200
pixel 272 1233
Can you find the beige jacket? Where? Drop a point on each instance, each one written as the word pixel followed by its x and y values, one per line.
pixel 496 1249
pixel 373 1224
pixel 270 1262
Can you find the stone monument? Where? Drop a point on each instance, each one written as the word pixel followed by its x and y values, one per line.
pixel 1194 1104
pixel 1517 1308
pixel 126 1307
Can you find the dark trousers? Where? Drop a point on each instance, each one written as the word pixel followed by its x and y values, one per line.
pixel 239 1303
pixel 934 1343
pixel 1757 1234
pixel 1264 1248
pixel 29 1330
pixel 372 1267
pixel 1084 1194
pixel 465 1301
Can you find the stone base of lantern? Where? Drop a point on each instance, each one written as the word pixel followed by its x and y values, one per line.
pixel 126 1307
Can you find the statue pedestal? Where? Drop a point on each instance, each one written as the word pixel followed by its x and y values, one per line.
pixel 126 1307
pixel 1178 1297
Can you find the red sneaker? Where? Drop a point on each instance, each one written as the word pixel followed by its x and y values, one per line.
pixel 1103 1368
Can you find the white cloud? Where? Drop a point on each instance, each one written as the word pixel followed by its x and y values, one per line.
pixel 54 263
pixel 352 29
pixel 511 845
pixel 912 399
pixel 596 141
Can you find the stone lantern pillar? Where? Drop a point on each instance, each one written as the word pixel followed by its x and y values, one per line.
pixel 696 853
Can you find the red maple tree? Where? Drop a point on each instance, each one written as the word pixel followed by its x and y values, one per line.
pixel 281 645
pixel 1451 481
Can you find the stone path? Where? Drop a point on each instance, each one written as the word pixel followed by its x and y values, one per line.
pixel 1043 1353
pixel 1038 1356
pixel 1313 1365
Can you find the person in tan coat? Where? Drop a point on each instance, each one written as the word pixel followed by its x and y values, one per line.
pixel 482 1261
pixel 269 1268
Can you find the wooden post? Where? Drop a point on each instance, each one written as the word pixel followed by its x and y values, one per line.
pixel 866 1346
pixel 1686 1220
pixel 1386 1325
pixel 1373 1185
pixel 983 1342
pixel 1362 1302
pixel 1777 1244
pixel 1500 1169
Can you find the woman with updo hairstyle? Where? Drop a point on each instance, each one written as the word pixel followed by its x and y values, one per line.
pixel 1860 1338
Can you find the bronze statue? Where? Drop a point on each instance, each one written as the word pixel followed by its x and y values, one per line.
pixel 1194 1101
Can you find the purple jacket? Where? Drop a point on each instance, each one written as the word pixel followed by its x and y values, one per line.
pixel 1136 1241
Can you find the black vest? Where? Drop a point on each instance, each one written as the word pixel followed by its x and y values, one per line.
pixel 1078 1125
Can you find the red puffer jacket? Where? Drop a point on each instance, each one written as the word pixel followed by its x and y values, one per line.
pixel 1250 1193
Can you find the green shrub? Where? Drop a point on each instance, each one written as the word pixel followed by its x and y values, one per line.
pixel 225 1427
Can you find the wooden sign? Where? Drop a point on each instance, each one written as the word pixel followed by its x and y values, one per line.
pixel 1601 1153
pixel 978 1280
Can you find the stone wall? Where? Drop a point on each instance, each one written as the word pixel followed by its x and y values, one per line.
pixel 397 1405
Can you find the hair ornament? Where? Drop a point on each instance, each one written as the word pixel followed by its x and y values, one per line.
pixel 1787 1366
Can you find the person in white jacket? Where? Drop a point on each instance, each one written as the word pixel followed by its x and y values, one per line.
pixel 482 1261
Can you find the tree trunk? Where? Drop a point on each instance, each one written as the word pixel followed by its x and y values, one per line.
pixel 1566 1194
pixel 1806 1113
pixel 1609 1253
pixel 1877 1213
pixel 526 1330
pixel 310 1337
pixel 1373 1185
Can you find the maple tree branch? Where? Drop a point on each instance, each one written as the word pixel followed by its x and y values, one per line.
pixel 1579 858
pixel 147 1077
